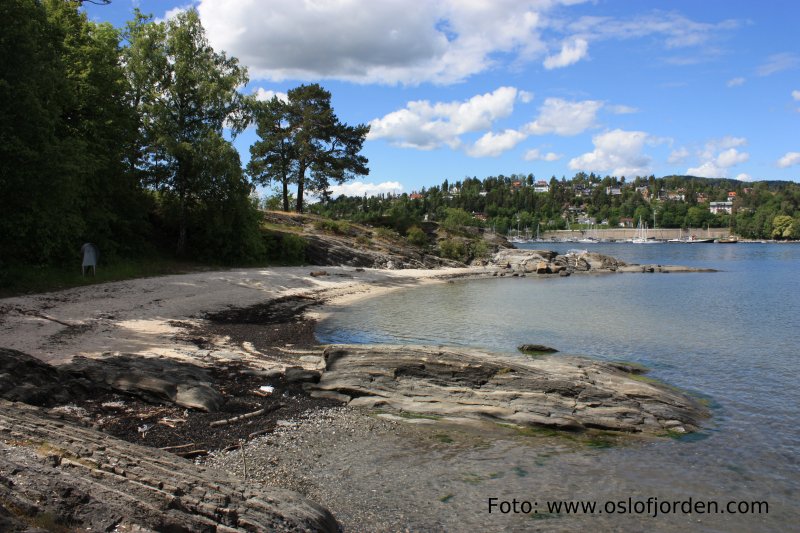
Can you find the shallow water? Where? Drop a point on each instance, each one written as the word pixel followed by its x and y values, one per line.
pixel 730 336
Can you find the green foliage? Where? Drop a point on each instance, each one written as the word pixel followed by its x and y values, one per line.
pixel 453 249
pixel 186 93
pixel 509 206
pixel 480 249
pixel 302 141
pixel 782 226
pixel 66 126
pixel 292 249
pixel 457 218
pixel 339 227
pixel 386 233
pixel 416 236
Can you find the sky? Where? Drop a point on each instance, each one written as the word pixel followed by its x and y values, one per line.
pixel 476 88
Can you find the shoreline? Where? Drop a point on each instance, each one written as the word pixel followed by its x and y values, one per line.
pixel 250 327
pixel 149 317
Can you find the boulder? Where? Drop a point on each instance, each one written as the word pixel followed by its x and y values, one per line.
pixel 536 348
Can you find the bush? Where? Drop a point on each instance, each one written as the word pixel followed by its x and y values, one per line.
pixel 292 249
pixel 453 249
pixel 416 236
pixel 386 233
pixel 339 227
pixel 480 249
pixel 457 218
pixel 285 248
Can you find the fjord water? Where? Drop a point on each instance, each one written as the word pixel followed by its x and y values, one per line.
pixel 731 337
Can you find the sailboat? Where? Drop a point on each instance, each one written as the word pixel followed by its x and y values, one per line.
pixel 589 238
pixel 641 235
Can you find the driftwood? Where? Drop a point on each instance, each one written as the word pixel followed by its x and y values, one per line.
pixel 179 447
pixel 192 454
pixel 245 416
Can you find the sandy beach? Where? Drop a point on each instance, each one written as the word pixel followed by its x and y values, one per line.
pixel 147 317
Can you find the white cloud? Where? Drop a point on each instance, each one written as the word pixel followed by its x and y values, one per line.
pixel 789 160
pixel 618 152
pixel 621 109
pixel 678 156
pixel 360 188
pixel 263 95
pixel 536 155
pixel 718 155
pixel 440 41
pixel 777 63
pixel 426 126
pixel 676 30
pixel 525 97
pixel 744 177
pixel 493 144
pixel 572 51
pixel 565 118
pixel 796 95
pixel 736 82
pixel 731 157
pixel 174 12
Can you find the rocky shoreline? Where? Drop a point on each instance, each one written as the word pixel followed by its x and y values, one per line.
pixel 208 374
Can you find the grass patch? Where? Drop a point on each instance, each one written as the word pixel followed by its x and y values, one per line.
pixel 406 414
pixel 444 438
pixel 645 379
pixel 272 226
pixel 519 471
pixel 446 499
pixel 471 478
pixel 338 227
pixel 387 234
pixel 544 516
pixel 15 281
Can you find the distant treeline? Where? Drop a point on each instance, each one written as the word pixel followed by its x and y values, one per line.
pixel 759 210
pixel 122 137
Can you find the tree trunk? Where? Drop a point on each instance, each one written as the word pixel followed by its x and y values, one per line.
pixel 301 175
pixel 286 193
pixel 181 246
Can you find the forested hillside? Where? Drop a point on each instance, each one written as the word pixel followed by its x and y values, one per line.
pixel 752 210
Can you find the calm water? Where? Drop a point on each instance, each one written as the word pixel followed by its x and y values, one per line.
pixel 731 336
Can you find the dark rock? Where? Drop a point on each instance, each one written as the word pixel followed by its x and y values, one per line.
pixel 297 374
pixel 318 273
pixel 24 378
pixel 536 348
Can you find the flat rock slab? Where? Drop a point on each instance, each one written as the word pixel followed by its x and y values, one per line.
pixel 26 379
pixel 92 481
pixel 563 392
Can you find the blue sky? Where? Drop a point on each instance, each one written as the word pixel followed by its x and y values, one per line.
pixel 457 88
